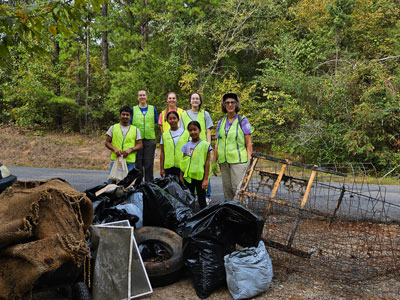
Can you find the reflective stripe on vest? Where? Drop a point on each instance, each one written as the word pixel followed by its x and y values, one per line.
pixel 165 124
pixel 231 145
pixel 145 123
pixel 193 166
pixel 172 152
pixel 118 141
pixel 201 118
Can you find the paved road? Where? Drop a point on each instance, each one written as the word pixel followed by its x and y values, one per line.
pixel 84 179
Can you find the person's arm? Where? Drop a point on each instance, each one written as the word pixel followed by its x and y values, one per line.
pixel 208 137
pixel 181 173
pixel 215 152
pixel 204 184
pixel 249 145
pixel 208 134
pixel 160 122
pixel 162 170
pixel 111 147
pixel 139 145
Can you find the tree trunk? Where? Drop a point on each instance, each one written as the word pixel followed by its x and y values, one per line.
pixel 337 52
pixel 145 27
pixel 57 87
pixel 78 84
pixel 104 37
pixel 104 44
pixel 87 71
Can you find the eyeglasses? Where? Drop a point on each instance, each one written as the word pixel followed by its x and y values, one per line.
pixel 230 102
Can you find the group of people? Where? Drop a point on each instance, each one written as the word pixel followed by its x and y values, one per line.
pixel 185 146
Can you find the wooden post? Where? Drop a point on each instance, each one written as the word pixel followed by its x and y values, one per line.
pixel 246 179
pixel 275 189
pixel 303 203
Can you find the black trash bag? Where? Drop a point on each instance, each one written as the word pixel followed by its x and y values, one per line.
pixel 110 198
pixel 114 214
pixel 105 204
pixel 91 193
pixel 177 189
pixel 162 209
pixel 213 233
pixel 133 175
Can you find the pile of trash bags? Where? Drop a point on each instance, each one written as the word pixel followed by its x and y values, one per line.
pixel 165 202
pixel 210 236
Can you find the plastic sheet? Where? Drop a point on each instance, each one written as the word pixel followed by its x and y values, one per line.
pixel 134 177
pixel 173 186
pixel 248 272
pixel 213 233
pixel 128 207
pixel 162 209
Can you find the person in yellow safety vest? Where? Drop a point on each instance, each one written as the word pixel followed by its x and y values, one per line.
pixel 124 139
pixel 234 147
pixel 144 117
pixel 195 164
pixel 195 113
pixel 162 120
pixel 171 143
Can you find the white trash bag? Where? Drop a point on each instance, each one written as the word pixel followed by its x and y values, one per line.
pixel 248 272
pixel 119 169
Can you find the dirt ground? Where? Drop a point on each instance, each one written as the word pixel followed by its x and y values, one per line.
pixel 30 148
pixel 294 278
pixel 295 285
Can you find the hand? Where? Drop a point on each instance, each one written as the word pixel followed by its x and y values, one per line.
pixel 118 152
pixel 204 184
pixel 181 179
pixel 125 153
pixel 214 168
pixel 162 172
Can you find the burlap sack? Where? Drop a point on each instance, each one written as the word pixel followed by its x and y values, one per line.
pixel 42 226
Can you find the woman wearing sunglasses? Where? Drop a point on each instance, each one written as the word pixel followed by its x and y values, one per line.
pixel 234 147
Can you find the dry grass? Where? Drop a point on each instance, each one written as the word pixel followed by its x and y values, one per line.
pixel 23 147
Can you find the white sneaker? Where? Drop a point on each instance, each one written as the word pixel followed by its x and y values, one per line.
pixel 208 201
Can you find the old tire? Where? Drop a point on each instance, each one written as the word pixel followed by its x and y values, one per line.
pixel 80 291
pixel 168 271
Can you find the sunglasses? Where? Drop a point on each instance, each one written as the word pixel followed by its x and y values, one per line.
pixel 230 102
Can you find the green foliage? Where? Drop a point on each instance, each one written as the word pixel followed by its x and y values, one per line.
pixel 31 24
pixel 318 79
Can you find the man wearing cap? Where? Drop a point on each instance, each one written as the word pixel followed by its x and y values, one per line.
pixel 234 147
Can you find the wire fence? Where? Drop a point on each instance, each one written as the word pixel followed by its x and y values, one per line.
pixel 327 215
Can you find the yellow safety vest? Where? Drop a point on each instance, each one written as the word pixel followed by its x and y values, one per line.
pixel 165 124
pixel 193 166
pixel 118 141
pixel 201 118
pixel 172 152
pixel 145 123
pixel 231 145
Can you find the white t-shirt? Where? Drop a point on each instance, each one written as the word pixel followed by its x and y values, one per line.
pixel 124 130
pixel 175 135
